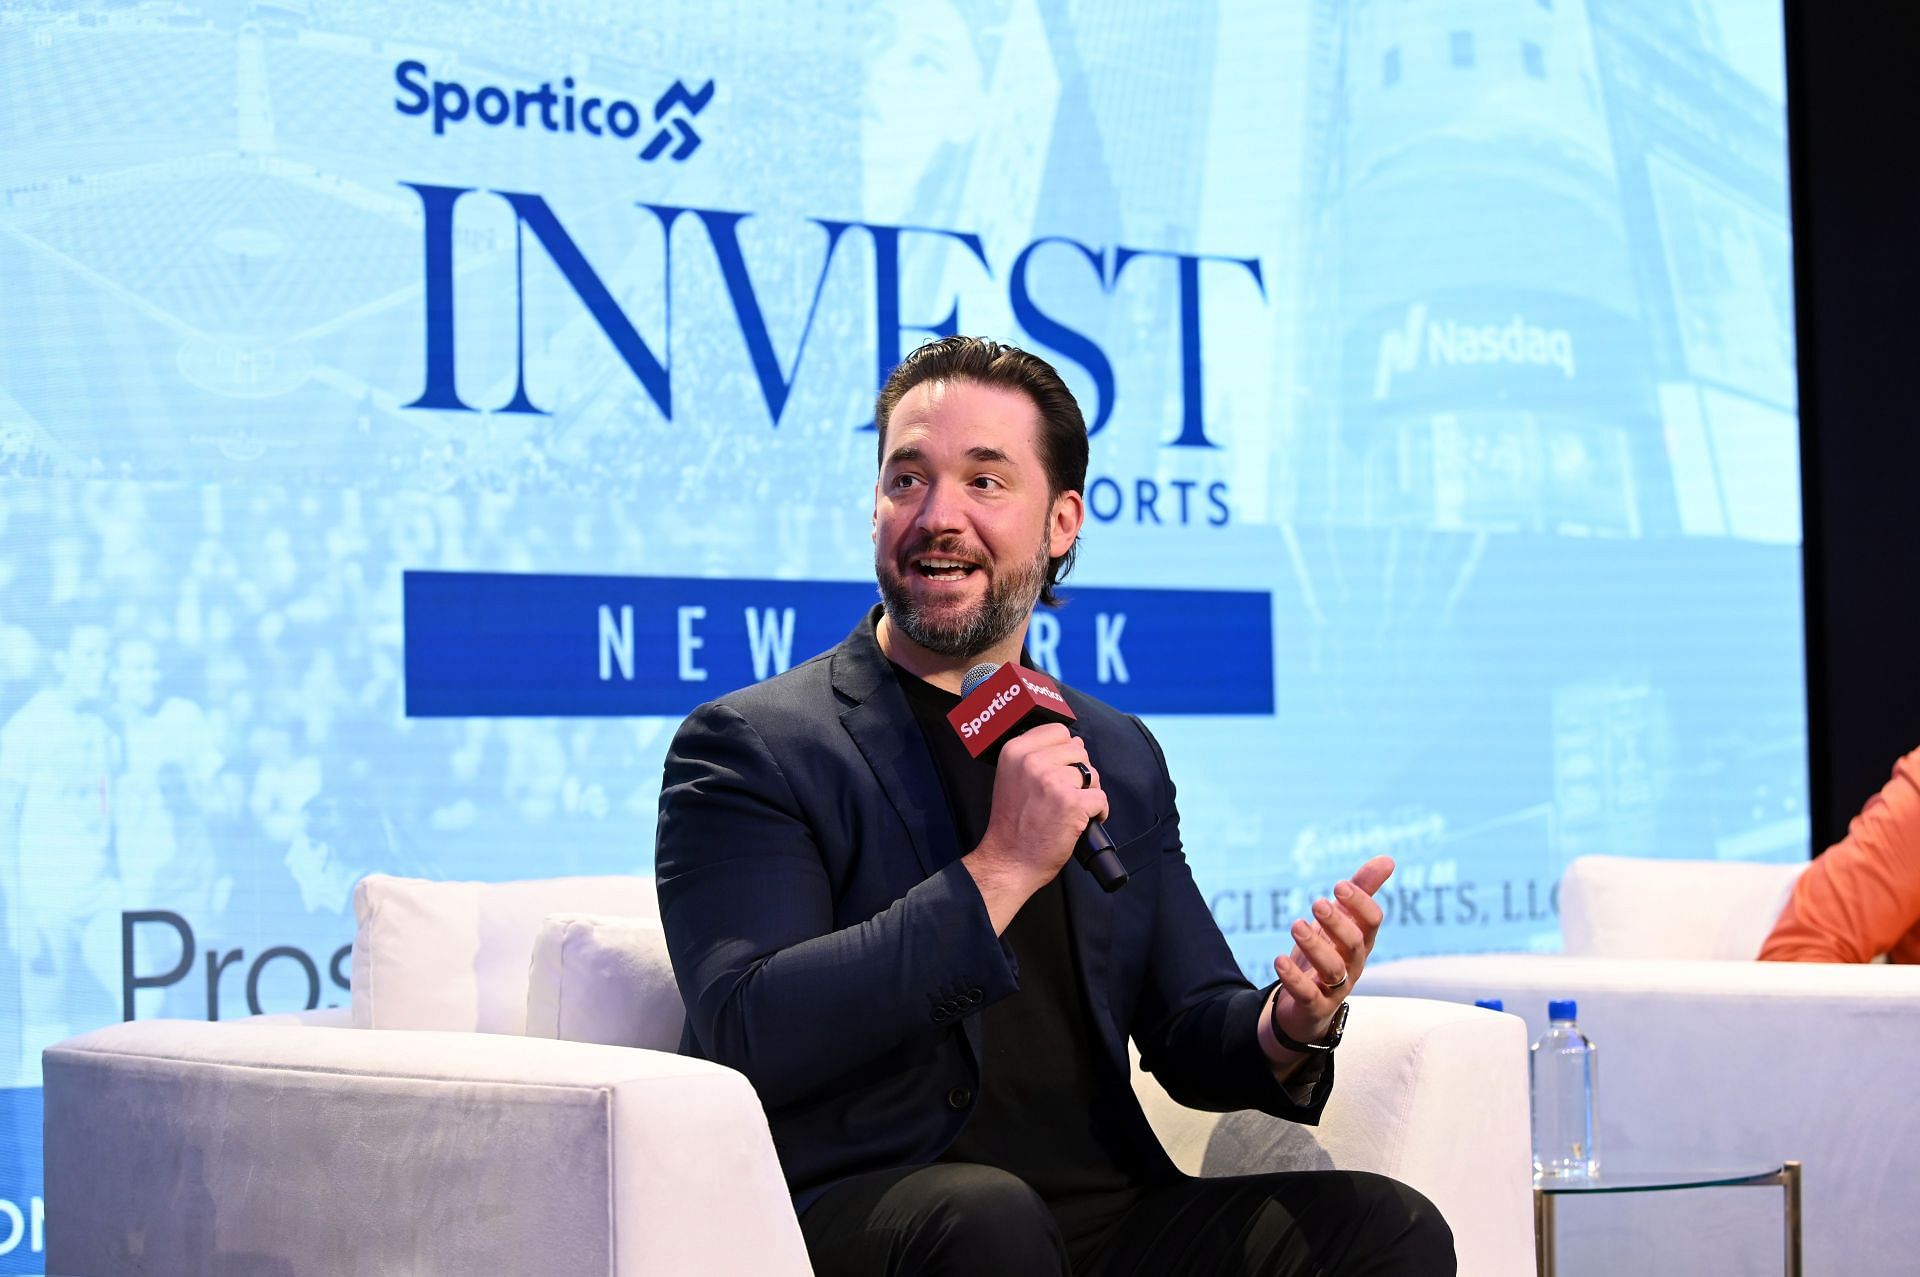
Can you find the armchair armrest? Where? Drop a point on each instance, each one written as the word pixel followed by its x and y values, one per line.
pixel 1432 1094
pixel 178 1146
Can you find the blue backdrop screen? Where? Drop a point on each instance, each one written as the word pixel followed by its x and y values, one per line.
pixel 407 414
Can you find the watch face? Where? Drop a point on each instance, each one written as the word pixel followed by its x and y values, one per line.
pixel 1338 1027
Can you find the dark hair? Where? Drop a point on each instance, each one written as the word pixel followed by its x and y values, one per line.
pixel 1063 430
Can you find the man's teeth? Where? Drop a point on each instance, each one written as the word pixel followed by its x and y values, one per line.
pixel 943 568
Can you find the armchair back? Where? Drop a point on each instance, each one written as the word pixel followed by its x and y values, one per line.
pixel 454 955
pixel 1628 907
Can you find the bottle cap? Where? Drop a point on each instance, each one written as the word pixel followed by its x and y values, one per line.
pixel 1562 1009
pixel 1491 1004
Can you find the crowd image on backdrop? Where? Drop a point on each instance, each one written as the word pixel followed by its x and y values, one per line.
pixel 202 712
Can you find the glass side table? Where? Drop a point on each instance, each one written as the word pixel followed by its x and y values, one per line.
pixel 1630 1180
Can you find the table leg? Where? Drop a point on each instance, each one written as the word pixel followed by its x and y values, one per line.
pixel 1790 1174
pixel 1543 1233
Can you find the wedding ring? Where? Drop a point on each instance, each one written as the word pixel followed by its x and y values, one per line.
pixel 1086 776
pixel 1329 988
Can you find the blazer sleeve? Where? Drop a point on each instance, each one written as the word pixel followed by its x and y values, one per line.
pixel 1197 1025
pixel 771 988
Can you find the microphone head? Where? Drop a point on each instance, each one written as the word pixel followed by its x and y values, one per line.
pixel 976 676
pixel 1006 702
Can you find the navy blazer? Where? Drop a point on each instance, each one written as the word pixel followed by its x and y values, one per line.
pixel 830 945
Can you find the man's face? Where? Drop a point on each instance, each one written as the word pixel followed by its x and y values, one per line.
pixel 963 524
pixel 136 673
pixel 84 664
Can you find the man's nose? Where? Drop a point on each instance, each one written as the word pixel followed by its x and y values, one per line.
pixel 941 509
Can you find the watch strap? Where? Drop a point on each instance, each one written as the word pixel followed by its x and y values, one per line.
pixel 1335 1030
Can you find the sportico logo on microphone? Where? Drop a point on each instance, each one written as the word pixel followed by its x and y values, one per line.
pixel 1045 691
pixel 972 726
pixel 571 109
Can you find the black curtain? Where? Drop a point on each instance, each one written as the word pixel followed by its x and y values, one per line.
pixel 1853 113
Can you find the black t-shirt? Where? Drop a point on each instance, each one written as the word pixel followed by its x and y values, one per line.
pixel 1050 1108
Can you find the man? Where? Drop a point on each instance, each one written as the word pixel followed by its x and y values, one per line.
pixel 169 781
pixel 62 895
pixel 168 785
pixel 1861 897
pixel 886 938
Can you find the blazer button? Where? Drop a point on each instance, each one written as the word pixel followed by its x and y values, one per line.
pixel 959 1097
pixel 939 1014
pixel 976 997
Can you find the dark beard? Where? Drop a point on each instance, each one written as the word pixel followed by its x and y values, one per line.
pixel 965 635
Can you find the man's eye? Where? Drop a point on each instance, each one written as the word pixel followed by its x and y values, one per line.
pixel 986 481
pixel 903 480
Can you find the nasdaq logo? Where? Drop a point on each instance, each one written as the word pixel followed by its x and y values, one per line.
pixel 669 130
pixel 1449 343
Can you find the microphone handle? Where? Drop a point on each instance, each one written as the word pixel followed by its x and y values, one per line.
pixel 1095 852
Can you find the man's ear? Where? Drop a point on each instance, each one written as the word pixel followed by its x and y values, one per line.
pixel 873 522
pixel 1069 512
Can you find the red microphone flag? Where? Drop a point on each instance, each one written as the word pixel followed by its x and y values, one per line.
pixel 1013 699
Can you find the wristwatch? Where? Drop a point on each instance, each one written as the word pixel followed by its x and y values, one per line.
pixel 1324 1046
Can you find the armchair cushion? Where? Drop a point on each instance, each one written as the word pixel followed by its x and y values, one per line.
pixel 597 978
pixel 453 955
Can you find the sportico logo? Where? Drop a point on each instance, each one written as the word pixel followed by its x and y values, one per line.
pixel 972 726
pixel 449 102
pixel 1044 690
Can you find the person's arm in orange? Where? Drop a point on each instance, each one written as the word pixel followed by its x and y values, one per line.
pixel 1859 899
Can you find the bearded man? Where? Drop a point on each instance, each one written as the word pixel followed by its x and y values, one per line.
pixel 878 930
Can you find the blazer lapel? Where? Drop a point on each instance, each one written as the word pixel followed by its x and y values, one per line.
pixel 883 727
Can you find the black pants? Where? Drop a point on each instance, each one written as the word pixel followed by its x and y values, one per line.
pixel 967 1220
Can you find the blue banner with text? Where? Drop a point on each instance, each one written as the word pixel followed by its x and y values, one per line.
pixel 522 644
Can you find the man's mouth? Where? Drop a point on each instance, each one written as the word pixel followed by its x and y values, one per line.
pixel 935 568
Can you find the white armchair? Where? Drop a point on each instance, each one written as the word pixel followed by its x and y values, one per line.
pixel 1709 1058
pixel 423 1132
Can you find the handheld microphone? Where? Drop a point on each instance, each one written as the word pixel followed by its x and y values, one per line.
pixel 997 704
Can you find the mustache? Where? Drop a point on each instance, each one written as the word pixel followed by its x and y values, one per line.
pixel 943 547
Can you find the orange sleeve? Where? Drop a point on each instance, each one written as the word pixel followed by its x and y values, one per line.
pixel 1862 898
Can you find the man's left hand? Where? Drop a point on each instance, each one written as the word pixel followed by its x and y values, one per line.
pixel 1330 951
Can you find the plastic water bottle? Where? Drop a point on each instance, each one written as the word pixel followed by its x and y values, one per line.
pixel 1561 1072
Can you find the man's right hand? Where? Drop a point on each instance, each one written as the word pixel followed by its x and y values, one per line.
pixel 1042 802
